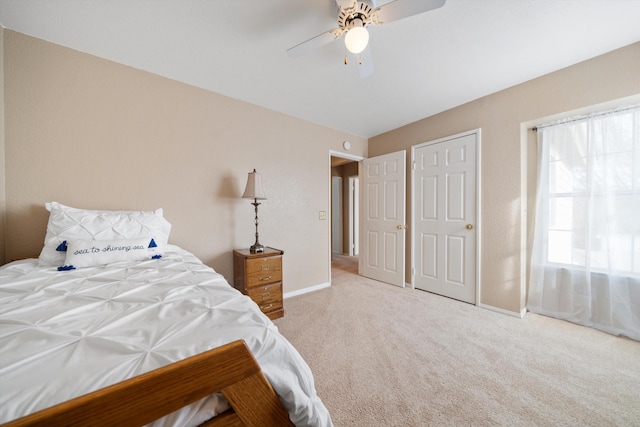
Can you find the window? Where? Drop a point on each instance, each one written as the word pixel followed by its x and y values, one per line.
pixel 593 211
pixel 585 265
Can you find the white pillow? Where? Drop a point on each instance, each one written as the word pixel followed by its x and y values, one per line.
pixel 89 253
pixel 67 223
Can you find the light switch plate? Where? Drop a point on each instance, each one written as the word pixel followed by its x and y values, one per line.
pixel 323 215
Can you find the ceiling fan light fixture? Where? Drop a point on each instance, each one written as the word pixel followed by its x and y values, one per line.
pixel 356 39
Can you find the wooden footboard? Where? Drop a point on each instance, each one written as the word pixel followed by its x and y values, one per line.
pixel 231 369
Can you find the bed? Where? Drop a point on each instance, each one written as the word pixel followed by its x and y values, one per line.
pixel 139 336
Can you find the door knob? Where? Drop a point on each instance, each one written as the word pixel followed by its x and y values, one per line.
pixel 469 227
pixel 400 226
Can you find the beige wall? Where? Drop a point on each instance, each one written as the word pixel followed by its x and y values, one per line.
pixel 505 165
pixel 96 134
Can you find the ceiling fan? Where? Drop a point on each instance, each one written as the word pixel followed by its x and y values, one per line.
pixel 353 19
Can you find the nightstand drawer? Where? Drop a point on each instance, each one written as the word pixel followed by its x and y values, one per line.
pixel 272 307
pixel 261 265
pixel 264 271
pixel 260 279
pixel 266 294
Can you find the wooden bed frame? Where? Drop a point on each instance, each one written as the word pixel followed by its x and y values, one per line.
pixel 230 369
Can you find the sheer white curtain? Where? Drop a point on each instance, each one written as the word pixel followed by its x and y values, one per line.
pixel 585 264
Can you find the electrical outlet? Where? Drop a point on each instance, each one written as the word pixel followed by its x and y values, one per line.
pixel 323 215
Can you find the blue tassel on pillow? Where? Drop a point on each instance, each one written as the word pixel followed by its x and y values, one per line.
pixel 152 244
pixel 66 268
pixel 62 247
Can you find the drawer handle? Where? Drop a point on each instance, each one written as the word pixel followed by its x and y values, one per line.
pixel 265 278
pixel 265 296
pixel 266 307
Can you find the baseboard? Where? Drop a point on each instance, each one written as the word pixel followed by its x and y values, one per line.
pixel 519 315
pixel 306 290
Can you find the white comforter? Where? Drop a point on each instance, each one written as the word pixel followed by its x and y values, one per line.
pixel 64 334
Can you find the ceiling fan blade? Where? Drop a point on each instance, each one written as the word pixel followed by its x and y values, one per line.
pixel 365 63
pixel 344 3
pixel 399 9
pixel 311 44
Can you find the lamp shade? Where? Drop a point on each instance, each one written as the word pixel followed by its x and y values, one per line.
pixel 357 38
pixel 254 189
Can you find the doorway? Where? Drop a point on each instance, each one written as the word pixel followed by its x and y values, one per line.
pixel 337 240
pixel 344 206
pixel 354 215
pixel 344 173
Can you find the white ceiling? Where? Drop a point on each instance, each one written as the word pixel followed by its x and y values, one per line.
pixel 424 64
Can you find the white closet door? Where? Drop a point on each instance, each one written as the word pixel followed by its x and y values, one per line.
pixel 444 217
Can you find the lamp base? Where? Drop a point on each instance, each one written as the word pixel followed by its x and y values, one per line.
pixel 256 249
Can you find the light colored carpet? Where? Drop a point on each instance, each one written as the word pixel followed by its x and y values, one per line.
pixel 386 356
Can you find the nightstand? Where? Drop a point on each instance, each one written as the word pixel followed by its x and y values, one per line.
pixel 260 277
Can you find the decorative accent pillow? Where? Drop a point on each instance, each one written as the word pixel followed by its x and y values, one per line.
pixel 89 253
pixel 67 223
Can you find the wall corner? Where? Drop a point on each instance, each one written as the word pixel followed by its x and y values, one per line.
pixel 3 168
